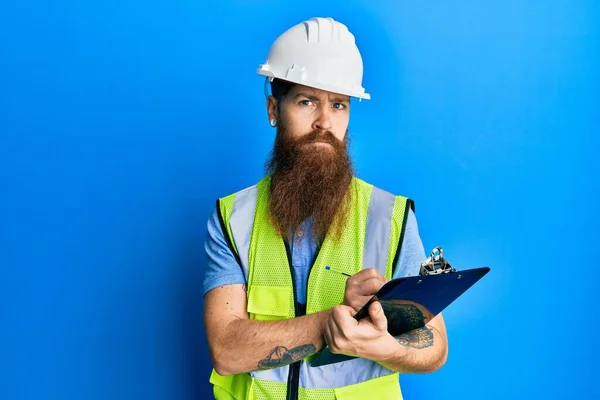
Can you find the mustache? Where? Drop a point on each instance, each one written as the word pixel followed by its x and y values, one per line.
pixel 319 136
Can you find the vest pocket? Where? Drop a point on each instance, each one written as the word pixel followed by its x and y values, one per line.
pixel 385 387
pixel 231 387
pixel 271 301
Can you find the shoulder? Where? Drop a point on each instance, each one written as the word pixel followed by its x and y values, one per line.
pixel 237 193
pixel 248 196
pixel 246 190
pixel 383 196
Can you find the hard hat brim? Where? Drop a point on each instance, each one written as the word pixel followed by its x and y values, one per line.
pixel 317 85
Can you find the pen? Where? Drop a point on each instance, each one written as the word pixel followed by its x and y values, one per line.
pixel 328 268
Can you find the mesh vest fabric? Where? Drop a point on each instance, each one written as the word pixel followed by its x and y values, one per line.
pixel 270 291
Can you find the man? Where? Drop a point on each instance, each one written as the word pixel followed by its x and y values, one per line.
pixel 293 258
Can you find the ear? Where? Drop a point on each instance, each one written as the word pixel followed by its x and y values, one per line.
pixel 272 108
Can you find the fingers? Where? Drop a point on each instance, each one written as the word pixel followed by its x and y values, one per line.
pixel 378 316
pixel 365 287
pixel 345 335
pixel 343 316
pixel 356 302
pixel 360 288
pixel 367 273
pixel 371 286
pixel 340 319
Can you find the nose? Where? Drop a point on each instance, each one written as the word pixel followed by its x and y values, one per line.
pixel 323 120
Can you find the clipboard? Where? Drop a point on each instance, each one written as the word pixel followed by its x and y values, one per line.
pixel 429 293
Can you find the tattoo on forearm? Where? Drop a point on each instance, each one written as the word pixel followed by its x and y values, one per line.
pixel 406 322
pixel 419 338
pixel 281 356
pixel 402 317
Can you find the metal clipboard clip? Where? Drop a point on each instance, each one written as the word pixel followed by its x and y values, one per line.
pixel 436 263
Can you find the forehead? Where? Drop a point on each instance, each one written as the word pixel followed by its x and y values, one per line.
pixel 298 90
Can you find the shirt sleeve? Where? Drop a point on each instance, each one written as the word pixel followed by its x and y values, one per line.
pixel 412 253
pixel 222 267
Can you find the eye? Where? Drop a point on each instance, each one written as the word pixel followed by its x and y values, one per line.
pixel 339 106
pixel 306 102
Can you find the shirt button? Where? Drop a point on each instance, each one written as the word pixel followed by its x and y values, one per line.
pixel 299 233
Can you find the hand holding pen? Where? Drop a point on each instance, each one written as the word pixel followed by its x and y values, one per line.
pixel 361 286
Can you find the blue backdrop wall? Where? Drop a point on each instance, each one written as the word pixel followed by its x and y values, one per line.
pixel 122 121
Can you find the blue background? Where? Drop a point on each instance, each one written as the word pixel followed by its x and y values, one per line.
pixel 122 121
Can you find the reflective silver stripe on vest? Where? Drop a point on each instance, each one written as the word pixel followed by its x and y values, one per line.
pixel 241 221
pixel 341 374
pixel 379 223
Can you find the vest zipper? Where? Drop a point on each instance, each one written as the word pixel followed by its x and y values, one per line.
pixel 294 369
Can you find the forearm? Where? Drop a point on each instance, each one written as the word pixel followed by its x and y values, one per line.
pixel 420 350
pixel 250 345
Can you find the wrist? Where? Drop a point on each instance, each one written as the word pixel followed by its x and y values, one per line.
pixel 323 316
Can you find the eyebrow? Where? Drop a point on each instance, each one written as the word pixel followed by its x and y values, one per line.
pixel 339 99
pixel 336 99
pixel 307 95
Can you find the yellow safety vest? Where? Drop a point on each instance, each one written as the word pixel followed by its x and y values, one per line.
pixel 372 238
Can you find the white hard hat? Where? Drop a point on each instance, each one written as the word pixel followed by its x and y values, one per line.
pixel 319 53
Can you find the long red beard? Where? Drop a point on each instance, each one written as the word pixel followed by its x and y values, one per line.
pixel 310 180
